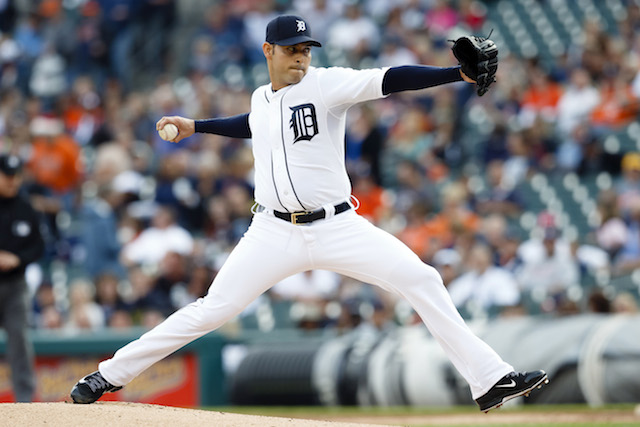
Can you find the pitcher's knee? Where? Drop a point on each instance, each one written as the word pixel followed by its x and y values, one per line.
pixel 431 276
pixel 421 275
pixel 214 310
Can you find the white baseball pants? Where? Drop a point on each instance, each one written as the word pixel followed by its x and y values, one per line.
pixel 273 249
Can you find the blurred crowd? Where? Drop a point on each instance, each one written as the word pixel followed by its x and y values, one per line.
pixel 137 227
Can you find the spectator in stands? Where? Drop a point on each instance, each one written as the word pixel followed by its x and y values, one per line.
pixel 448 262
pixel 374 200
pixel 612 233
pixel 176 187
pixel 455 220
pixel 118 20
pixel 82 114
pixel 635 85
pixel 100 233
pixel 29 36
pixel 164 235
pixel 409 140
pixel 91 52
pixel 108 296
pixel 55 159
pixel 218 42
pixel 50 318
pixel 494 145
pixel 45 311
pixel 151 318
pixel 492 231
pixel 157 17
pixel 577 102
pixel 570 153
pixel 441 18
pixel 394 53
pixel 354 33
pixel 48 75
pixel 484 287
pixel 239 200
pixel 111 160
pixel 255 21
pixel 618 105
pixel 364 143
pixel 10 100
pixel 500 196
pixel 472 14
pixel 507 252
pixel 411 188
pixel 628 184
pixel 120 319
pixel 313 286
pixel 163 295
pixel 217 226
pixel 416 233
pixel 625 302
pixel 549 266
pixel 366 139
pixel 540 99
pixel 598 302
pixel 197 286
pixel 628 258
pixel 84 313
pixel 518 162
pixel 365 312
pixel 8 15
pixel 323 14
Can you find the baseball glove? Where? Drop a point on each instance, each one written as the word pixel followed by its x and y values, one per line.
pixel 478 58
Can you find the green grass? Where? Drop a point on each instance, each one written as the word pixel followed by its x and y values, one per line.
pixel 411 416
pixel 413 410
pixel 580 424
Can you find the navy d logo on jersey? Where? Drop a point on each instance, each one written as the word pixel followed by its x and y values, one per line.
pixel 303 122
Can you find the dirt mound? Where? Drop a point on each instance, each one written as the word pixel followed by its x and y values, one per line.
pixel 122 414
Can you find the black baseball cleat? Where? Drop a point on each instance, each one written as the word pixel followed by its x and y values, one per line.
pixel 91 388
pixel 512 385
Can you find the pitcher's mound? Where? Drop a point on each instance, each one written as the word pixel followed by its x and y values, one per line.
pixel 122 414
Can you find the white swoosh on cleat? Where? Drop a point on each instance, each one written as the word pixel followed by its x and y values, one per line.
pixel 510 385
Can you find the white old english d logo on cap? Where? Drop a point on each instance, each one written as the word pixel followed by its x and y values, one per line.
pixel 301 26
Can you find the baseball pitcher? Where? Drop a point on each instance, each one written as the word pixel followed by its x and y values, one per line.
pixel 304 218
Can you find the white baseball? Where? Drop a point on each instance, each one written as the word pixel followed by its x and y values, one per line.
pixel 168 132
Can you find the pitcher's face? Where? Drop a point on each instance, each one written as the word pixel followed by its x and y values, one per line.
pixel 287 64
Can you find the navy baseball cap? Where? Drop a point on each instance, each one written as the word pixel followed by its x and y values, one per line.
pixel 287 30
pixel 10 164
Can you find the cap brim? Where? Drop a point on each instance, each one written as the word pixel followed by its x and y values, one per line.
pixel 298 39
pixel 11 172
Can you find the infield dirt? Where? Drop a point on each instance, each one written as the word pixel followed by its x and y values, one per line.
pixel 123 414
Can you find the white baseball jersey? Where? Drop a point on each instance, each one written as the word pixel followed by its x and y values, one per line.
pixel 298 137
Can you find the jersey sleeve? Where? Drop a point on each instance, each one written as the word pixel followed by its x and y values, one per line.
pixel 344 87
pixel 234 127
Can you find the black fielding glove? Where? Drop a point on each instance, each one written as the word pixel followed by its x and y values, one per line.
pixel 478 59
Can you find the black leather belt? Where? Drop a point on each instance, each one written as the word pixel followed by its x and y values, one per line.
pixel 305 217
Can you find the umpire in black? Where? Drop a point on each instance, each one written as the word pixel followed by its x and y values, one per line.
pixel 20 244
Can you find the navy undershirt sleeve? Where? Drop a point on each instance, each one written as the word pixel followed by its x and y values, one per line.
pixel 413 77
pixel 233 127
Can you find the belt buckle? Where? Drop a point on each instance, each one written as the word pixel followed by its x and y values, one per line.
pixel 295 215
